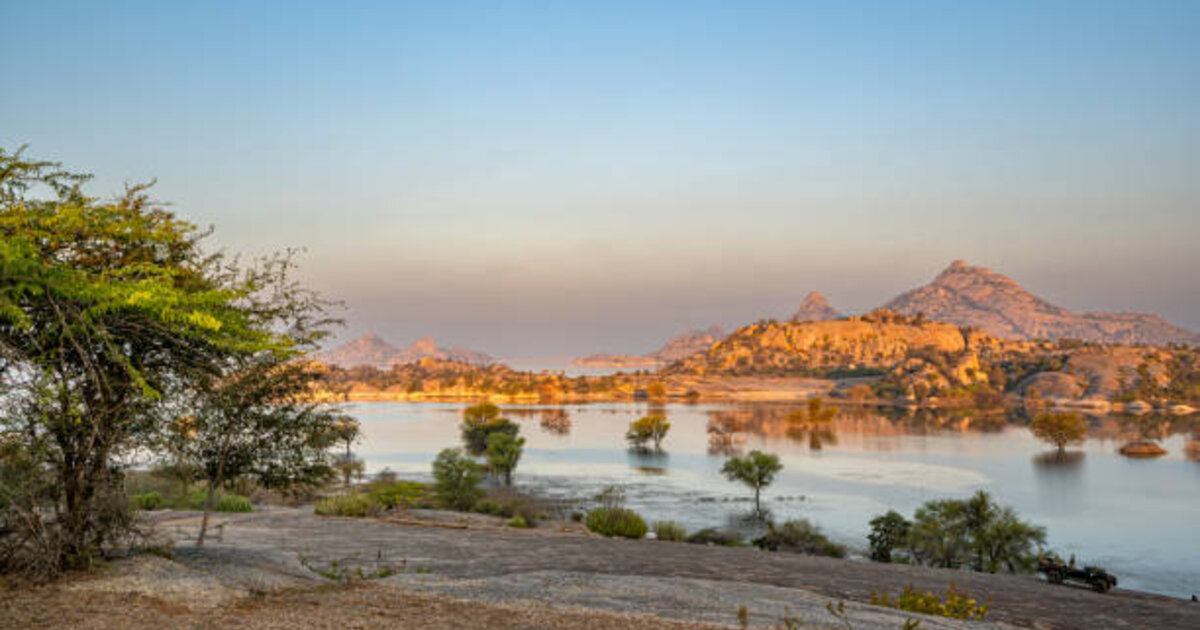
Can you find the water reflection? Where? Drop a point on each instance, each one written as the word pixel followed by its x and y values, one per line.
pixel 1091 500
pixel 555 421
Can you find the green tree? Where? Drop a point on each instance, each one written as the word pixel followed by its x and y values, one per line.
pixel 456 479
pixel 652 428
pixel 108 310
pixel 1059 429
pixel 888 531
pixel 756 470
pixel 975 532
pixel 503 453
pixel 260 422
pixel 480 421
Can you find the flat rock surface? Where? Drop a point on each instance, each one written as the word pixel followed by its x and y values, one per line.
pixel 583 570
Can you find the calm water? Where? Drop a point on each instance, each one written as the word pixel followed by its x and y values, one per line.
pixel 1138 518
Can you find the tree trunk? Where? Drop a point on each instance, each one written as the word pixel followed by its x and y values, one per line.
pixel 208 505
pixel 757 505
pixel 213 482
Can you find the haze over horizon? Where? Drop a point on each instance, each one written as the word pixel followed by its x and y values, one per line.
pixel 553 180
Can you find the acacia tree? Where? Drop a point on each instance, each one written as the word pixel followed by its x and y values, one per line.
pixel 756 470
pixel 107 310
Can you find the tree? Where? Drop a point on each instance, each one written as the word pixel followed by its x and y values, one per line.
pixel 888 531
pixel 975 532
pixel 1011 543
pixel 480 421
pixel 503 452
pixel 108 311
pixel 1059 429
pixel 756 470
pixel 937 536
pixel 260 422
pixel 456 478
pixel 652 428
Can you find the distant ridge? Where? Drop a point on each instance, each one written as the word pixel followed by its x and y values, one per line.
pixel 815 308
pixel 373 350
pixel 676 348
pixel 976 296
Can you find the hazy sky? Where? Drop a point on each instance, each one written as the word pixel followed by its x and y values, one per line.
pixel 560 178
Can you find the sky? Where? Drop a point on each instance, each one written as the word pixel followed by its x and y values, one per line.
pixel 562 178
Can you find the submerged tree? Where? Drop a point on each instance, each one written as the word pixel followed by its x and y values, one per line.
pixel 479 422
pixel 756 470
pixel 1059 429
pixel 503 453
pixel 652 428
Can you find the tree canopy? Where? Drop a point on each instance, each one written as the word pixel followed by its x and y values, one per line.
pixel 110 312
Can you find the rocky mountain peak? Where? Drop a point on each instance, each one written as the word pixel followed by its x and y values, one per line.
pixel 967 295
pixel 815 308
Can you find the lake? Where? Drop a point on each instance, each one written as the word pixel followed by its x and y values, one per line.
pixel 1139 518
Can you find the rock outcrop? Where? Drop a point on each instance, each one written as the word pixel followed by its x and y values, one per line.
pixel 975 296
pixel 372 350
pixel 815 308
pixel 877 341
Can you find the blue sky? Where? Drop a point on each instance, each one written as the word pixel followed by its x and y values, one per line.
pixel 557 178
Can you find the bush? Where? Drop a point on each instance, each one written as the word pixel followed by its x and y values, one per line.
pixel 403 494
pixel 232 503
pixel 799 536
pixel 148 501
pixel 489 506
pixel 955 604
pixel 456 479
pixel 888 531
pixel 670 531
pixel 616 521
pixel 358 505
pixel 517 521
pixel 714 536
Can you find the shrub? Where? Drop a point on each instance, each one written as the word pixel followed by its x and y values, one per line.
pixel 714 536
pixel 517 521
pixel 489 506
pixel 232 503
pixel 616 521
pixel 456 479
pixel 799 536
pixel 399 494
pixel 148 501
pixel 358 505
pixel 955 604
pixel 888 531
pixel 670 531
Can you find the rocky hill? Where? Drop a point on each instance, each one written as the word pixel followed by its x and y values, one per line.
pixel 876 341
pixel 372 350
pixel 688 343
pixel 676 348
pixel 975 296
pixel 815 308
